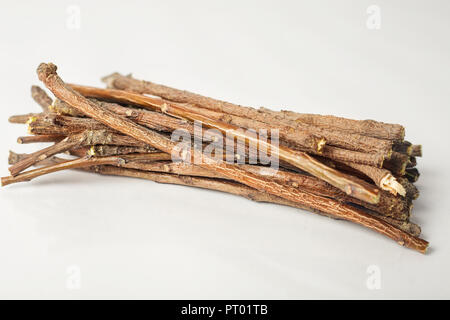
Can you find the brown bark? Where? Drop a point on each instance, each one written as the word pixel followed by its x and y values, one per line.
pixel 416 150
pixel 412 192
pixel 381 177
pixel 108 150
pixel 338 154
pixel 22 118
pixel 306 141
pixel 362 127
pixel 249 118
pixel 40 138
pixel 62 108
pixel 403 147
pixel 397 163
pixel 41 97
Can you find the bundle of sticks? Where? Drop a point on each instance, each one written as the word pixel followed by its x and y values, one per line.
pixel 357 170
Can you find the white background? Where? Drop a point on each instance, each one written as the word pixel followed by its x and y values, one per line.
pixel 138 239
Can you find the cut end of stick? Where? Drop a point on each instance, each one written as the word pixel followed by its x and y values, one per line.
pixel 46 70
pixel 389 183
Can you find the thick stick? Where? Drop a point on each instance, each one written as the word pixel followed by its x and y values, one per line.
pixel 352 186
pixel 403 147
pixel 362 127
pixel 293 133
pixel 397 163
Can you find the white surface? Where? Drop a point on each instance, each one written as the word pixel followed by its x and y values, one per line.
pixel 138 239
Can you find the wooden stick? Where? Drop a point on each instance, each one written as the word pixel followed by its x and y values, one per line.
pixel 362 127
pixel 40 138
pixel 41 97
pixel 416 150
pixel 381 177
pixel 403 147
pixel 412 174
pixel 397 163
pixel 22 118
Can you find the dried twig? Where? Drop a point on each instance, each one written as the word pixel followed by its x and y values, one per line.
pixel 41 97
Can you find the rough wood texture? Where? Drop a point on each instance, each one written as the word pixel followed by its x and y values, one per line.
pixel 369 128
pixel 40 138
pixel 41 97
pixel 416 150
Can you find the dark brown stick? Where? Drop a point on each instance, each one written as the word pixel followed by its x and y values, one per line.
pixel 403 147
pixel 397 163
